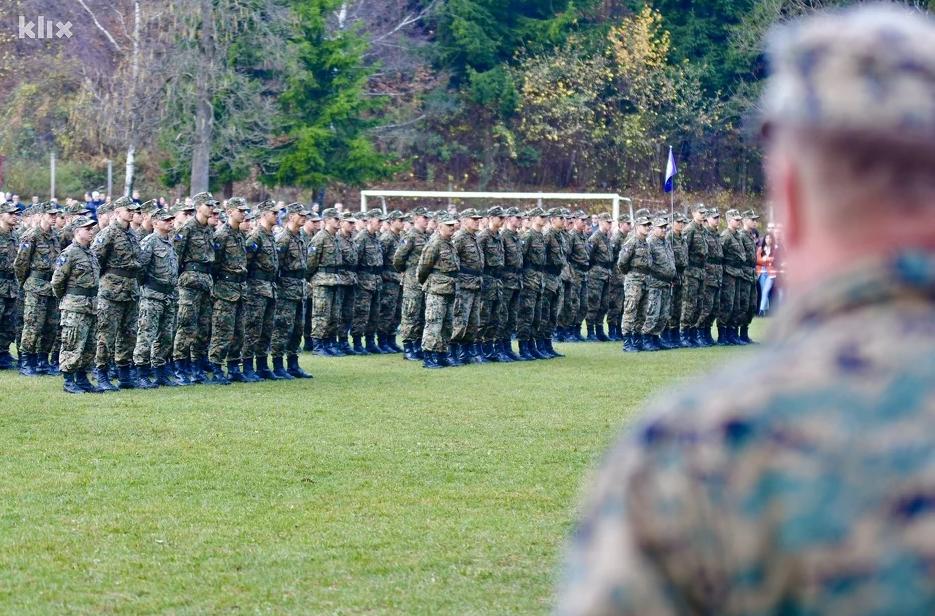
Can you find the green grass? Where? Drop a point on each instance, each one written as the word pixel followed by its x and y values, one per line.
pixel 378 487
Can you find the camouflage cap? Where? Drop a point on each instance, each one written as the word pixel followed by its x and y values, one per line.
pixel 250 215
pixel 699 207
pixel 204 198
pixel 104 208
pixel 644 219
pixel 123 202
pixel 312 216
pixel 8 208
pixel 374 214
pixel 238 203
pixel 604 217
pixel 868 70
pixel 83 221
pixel 733 214
pixel 566 213
pixel 555 212
pixel 751 214
pixel 512 211
pixel 444 218
pixel 625 218
pixel 349 216
pixel 582 215
pixel 396 215
pixel 149 207
pixel 419 211
pixel 268 206
pixel 660 221
pixel 296 208
pixel 52 207
pixel 163 215
pixel 712 212
pixel 643 212
pixel 536 211
pixel 496 211
pixel 682 218
pixel 330 212
pixel 470 213
pixel 78 209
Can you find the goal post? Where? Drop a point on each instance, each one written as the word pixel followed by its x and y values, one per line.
pixel 616 200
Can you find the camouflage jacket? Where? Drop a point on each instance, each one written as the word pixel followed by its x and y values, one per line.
pixel 807 490
pixel 117 250
pixel 438 267
pixel 293 265
pixel 617 240
pixel 159 266
pixel 749 249
pixel 325 260
pixel 533 245
pixel 491 246
pixel 262 263
pixel 389 242
pixel 512 277
pixel 579 256
pixel 35 259
pixel 697 247
pixel 76 268
pixel 661 263
pixel 732 253
pixel 601 259
pixel 679 249
pixel 470 258
pixel 348 275
pixel 713 269
pixel 633 260
pixel 369 260
pixel 194 246
pixel 230 264
pixel 8 285
pixel 406 257
pixel 556 260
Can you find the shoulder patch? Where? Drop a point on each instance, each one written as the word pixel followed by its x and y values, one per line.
pixel 61 260
pixel 178 237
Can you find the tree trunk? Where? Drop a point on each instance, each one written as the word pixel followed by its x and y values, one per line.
pixel 134 104
pixel 204 112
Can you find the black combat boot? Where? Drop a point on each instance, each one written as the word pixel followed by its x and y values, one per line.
pixel 500 352
pixel 342 346
pixel 263 371
pixel 454 354
pixel 525 354
pixel 599 333
pixel 295 370
pixel 125 378
pixel 6 360
pixel 145 378
pixel 745 335
pixel 52 365
pixel 70 386
pixel 506 347
pixel 103 379
pixel 279 371
pixel 430 360
pixel 391 342
pixel 551 349
pixel 538 347
pixel 409 347
pixel 249 374
pixel 592 332
pixel 649 343
pixel 164 376
pixel 196 370
pixel 81 380
pixel 723 338
pixel 28 365
pixel 359 346
pixel 234 374
pixel 686 338
pixel 183 372
pixel 321 347
pixel 371 345
pixel 308 347
pixel 628 346
pixel 384 345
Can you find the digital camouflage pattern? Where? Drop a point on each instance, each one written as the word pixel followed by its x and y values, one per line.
pixel 575 302
pixel 33 265
pixel 77 271
pixel 553 288
pixel 325 261
pixel 601 263
pixel 9 290
pixel 633 263
pixel 615 286
pixel 348 281
pixel 511 282
pixel 229 295
pixel 693 282
pixel 680 253
pixel 491 247
pixel 194 247
pixel 260 307
pixel 529 314
pixel 465 325
pixel 659 285
pixel 406 260
pixel 117 250
pixel 369 283
pixel 390 290
pixel 159 267
pixel 732 253
pixel 711 299
pixel 437 272
pixel 289 317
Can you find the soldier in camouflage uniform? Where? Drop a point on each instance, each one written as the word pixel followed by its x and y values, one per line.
pixel 38 250
pixel 347 279
pixel 229 295
pixel 465 327
pixel 406 261
pixel 732 254
pixel 676 240
pixel 438 272
pixel 491 247
pixel 712 278
pixel 309 230
pixel 9 219
pixel 369 283
pixel 194 247
pixel 748 296
pixel 325 263
pixel 159 268
pixel 260 307
pixel 529 315
pixel 553 281
pixel 601 263
pixel 633 263
pixel 615 288
pixel 75 283
pixel 575 305
pixel 658 287
pixel 511 282
pixel 388 321
pixel 810 495
pixel 290 297
pixel 694 277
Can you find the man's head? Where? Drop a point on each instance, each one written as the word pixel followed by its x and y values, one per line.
pixel 374 219
pixel 83 230
pixel 660 226
pixel 713 218
pixel 204 203
pixel 295 216
pixel 330 220
pixel 734 219
pixel 603 222
pixel 643 224
pixel 420 219
pixel 495 216
pixel 512 218
pixel 163 222
pixel 849 120
pixel 751 220
pixel 446 225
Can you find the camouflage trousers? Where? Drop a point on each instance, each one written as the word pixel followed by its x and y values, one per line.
pixel 154 334
pixel 412 319
pixel 40 323
pixel 658 305
pixel 348 301
pixel 7 322
pixel 551 306
pixel 529 313
pixel 490 310
pixel 366 312
pixel 78 341
pixel 692 298
pixel 227 331
pixel 309 311
pixel 388 321
pixel 575 306
pixel 748 304
pixel 675 302
pixel 711 299
pixel 439 313
pixel 598 299
pixel 616 295
pixel 193 324
pixel 637 300
pixel 287 327
pixel 327 316
pixel 116 332
pixel 465 319
pixel 259 316
pixel 20 301
pixel 509 309
pixel 727 311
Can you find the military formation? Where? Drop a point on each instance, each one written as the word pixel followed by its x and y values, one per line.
pixel 206 292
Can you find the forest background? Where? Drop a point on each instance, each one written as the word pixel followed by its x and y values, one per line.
pixel 315 99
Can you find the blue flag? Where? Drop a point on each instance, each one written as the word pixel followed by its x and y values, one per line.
pixel 671 172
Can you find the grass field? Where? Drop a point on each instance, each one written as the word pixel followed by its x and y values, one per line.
pixel 378 487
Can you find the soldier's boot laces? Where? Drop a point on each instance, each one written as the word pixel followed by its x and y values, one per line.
pixel 279 371
pixel 295 370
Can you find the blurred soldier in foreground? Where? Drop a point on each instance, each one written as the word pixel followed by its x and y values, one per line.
pixel 800 480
